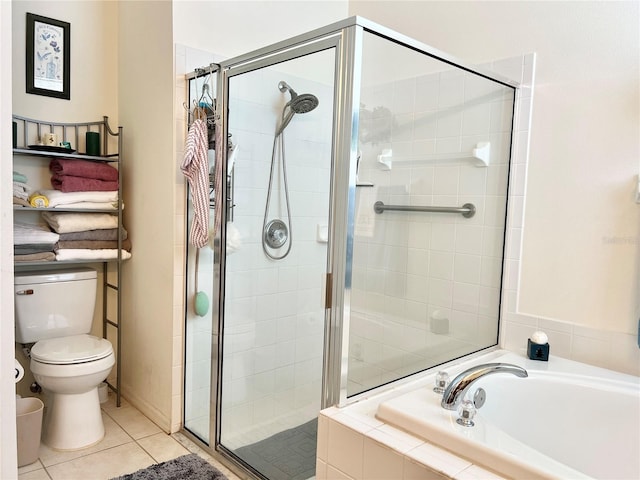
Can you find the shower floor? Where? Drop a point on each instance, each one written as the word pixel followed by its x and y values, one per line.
pixel 288 455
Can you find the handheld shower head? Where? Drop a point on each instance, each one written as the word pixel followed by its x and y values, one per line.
pixel 298 104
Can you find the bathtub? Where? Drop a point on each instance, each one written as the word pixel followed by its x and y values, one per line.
pixel 567 420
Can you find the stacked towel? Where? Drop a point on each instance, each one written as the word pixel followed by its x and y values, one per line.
pixel 99 200
pixel 20 188
pixel 33 242
pixel 78 222
pixel 87 236
pixel 83 176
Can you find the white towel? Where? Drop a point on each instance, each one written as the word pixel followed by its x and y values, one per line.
pixel 56 197
pixel 21 190
pixel 79 222
pixel 90 254
pixel 195 167
pixel 26 233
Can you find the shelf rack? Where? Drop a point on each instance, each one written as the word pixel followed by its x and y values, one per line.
pixel 27 132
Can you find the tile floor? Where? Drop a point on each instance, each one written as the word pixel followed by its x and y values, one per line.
pixel 131 442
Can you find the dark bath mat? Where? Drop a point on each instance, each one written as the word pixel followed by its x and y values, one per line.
pixel 186 467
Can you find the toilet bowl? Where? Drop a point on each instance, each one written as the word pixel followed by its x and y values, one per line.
pixel 70 369
pixel 54 311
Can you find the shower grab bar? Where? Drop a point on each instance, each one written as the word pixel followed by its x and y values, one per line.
pixel 467 210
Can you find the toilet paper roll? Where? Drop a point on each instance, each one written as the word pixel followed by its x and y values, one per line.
pixel 19 373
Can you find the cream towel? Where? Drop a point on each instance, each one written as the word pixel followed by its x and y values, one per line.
pixel 56 197
pixel 78 222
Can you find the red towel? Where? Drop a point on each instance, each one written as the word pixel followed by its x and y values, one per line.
pixel 69 183
pixel 84 168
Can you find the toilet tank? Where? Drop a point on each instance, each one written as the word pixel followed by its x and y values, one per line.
pixel 56 303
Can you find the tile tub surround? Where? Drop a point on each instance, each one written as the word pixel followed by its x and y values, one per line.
pixel 354 445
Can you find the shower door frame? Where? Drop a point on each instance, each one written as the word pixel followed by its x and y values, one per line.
pixel 343 38
pixel 347 38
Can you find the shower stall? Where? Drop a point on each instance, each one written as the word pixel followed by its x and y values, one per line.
pixel 362 236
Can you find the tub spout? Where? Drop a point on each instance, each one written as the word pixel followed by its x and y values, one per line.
pixel 456 390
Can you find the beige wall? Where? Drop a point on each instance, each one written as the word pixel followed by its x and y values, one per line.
pixel 94 62
pixel 151 283
pixel 580 247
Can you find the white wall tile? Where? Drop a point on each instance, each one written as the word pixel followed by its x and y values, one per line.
pixel 346 450
pixel 416 471
pixel 381 462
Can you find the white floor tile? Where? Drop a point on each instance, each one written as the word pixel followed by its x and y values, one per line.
pixel 133 422
pixel 114 436
pixel 103 465
pixel 162 447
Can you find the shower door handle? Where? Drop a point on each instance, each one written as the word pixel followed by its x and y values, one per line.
pixel 328 288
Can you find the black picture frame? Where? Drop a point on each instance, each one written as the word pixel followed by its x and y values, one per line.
pixel 48 57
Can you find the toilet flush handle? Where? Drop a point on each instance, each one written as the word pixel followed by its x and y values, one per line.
pixel 25 292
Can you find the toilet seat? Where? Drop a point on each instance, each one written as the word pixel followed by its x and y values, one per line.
pixel 71 350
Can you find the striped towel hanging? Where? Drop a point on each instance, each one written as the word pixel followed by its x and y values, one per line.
pixel 195 167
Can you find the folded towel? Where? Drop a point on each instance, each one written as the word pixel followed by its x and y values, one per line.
pixel 21 190
pixel 90 206
pixel 103 234
pixel 69 183
pixel 57 198
pixel 21 201
pixel 92 244
pixel 77 222
pixel 83 168
pixel 19 177
pixel 26 233
pixel 33 248
pixel 36 257
pixel 87 254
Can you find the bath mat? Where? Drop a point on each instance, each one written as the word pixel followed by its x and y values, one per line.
pixel 187 467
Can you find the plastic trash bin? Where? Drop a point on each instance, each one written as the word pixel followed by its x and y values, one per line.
pixel 29 428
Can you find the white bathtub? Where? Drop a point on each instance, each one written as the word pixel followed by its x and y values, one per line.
pixel 567 420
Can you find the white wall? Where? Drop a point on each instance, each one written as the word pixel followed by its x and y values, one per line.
pixel 229 28
pixel 580 241
pixel 8 459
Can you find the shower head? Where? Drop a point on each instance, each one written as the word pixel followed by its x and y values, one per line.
pixel 303 103
pixel 298 104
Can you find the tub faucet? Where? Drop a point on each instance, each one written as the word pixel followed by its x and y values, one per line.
pixel 456 390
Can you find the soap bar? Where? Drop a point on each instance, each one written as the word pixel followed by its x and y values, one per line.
pixel 537 351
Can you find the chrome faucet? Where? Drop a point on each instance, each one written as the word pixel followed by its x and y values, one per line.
pixel 456 390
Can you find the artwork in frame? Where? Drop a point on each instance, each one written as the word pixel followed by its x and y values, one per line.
pixel 48 56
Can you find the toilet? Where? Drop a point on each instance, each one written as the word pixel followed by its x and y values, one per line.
pixel 54 311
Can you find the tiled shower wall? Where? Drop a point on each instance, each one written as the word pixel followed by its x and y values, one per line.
pixel 413 270
pixel 274 315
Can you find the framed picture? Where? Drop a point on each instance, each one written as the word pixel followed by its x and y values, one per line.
pixel 48 55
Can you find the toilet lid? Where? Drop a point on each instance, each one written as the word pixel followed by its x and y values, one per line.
pixel 70 350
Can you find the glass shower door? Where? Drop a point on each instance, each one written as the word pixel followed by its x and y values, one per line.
pixel 280 119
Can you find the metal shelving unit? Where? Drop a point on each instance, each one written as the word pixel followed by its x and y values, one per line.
pixel 28 131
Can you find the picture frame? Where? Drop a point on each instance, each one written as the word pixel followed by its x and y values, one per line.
pixel 48 57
